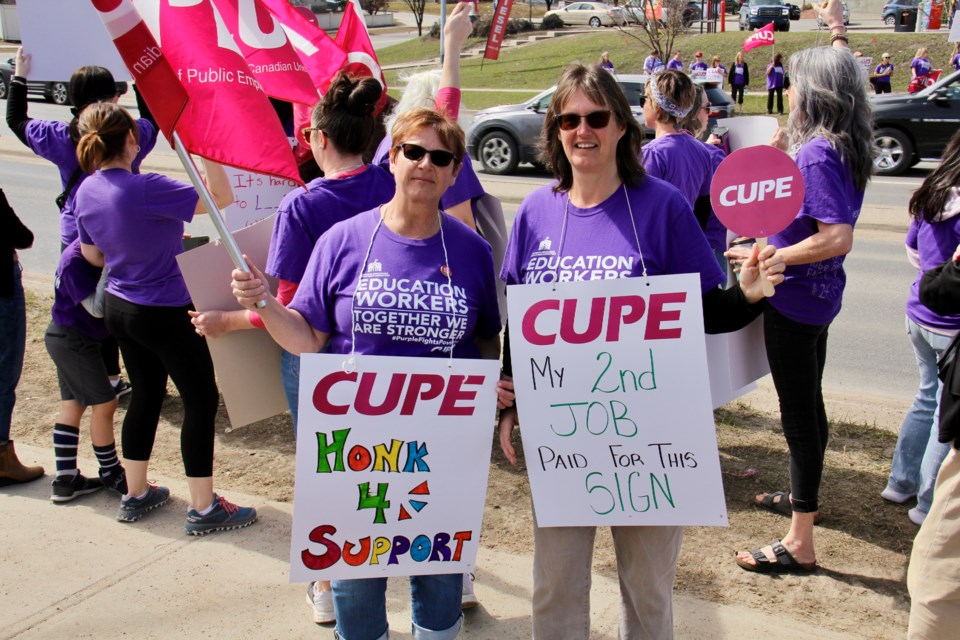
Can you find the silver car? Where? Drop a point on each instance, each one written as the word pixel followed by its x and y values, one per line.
pixel 594 14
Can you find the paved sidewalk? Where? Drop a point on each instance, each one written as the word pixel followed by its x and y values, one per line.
pixel 73 571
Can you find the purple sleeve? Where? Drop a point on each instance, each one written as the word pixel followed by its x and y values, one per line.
pixel 654 163
pixel 825 199
pixel 488 319
pixel 382 155
pixel 146 142
pixel 291 244
pixel 511 270
pixel 169 198
pixel 912 234
pixel 51 141
pixel 314 300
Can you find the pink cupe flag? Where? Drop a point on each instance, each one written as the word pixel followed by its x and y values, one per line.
pixel 226 117
pixel 353 38
pixel 321 56
pixel 762 37
pixel 267 50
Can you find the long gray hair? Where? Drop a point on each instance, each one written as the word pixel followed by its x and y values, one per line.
pixel 830 101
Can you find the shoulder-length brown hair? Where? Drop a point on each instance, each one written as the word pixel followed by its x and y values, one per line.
pixel 602 88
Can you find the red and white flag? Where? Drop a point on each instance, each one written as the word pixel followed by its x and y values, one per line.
pixel 762 37
pixel 498 29
pixel 319 53
pixel 185 65
pixel 267 50
pixel 353 38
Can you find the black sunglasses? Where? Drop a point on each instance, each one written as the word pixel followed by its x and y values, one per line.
pixel 595 120
pixel 438 157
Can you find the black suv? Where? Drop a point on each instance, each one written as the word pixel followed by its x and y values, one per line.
pixel 914 127
pixel 758 13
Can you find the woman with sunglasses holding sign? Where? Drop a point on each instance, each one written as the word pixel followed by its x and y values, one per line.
pixel 604 205
pixel 407 240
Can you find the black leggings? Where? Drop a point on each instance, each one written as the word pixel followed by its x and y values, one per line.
pixel 155 342
pixel 736 89
pixel 779 92
pixel 796 353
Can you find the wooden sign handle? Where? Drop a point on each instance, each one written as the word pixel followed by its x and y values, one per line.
pixel 768 289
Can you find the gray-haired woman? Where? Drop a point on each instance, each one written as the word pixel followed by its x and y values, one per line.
pixel 831 130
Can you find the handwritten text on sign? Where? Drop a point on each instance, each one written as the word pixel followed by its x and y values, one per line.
pixel 614 401
pixel 255 197
pixel 392 464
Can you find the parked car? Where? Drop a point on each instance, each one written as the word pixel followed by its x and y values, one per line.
pixel 56 92
pixel 893 7
pixel 758 13
pixel 794 11
pixel 909 128
pixel 594 14
pixel 846 15
pixel 503 137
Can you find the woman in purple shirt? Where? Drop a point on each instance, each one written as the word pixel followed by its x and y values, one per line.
pixel 739 77
pixel 133 223
pixel 882 74
pixel 955 59
pixel 932 239
pixel 605 206
pixel 830 128
pixel 920 68
pixel 398 244
pixel 775 76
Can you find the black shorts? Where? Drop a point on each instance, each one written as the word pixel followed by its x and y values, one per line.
pixel 80 369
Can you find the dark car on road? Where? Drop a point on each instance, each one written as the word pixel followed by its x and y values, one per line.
pixel 759 13
pixel 914 127
pixel 893 8
pixel 794 11
pixel 503 137
pixel 56 92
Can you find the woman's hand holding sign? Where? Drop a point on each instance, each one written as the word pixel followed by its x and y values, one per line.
pixel 761 269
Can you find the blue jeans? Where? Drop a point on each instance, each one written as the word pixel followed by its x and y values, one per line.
pixel 13 342
pixel 361 607
pixel 290 374
pixel 918 455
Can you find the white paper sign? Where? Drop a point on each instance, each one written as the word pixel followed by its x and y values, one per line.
pixel 954 32
pixel 614 401
pixel 255 197
pixel 392 465
pixel 749 131
pixel 866 63
pixel 63 35
pixel 735 362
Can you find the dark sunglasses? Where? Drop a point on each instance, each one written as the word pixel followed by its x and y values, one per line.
pixel 595 120
pixel 415 153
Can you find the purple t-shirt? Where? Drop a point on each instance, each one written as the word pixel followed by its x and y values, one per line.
pixel 934 243
pixel 738 76
pixel 599 242
pixel 466 187
pixel 136 220
pixel 675 64
pixel 955 61
pixel 76 280
pixel 698 66
pixel 775 77
pixel 305 215
pixel 715 231
pixel 51 140
pixel 811 293
pixel 922 66
pixel 404 305
pixel 681 160
pixel 652 63
pixel 883 68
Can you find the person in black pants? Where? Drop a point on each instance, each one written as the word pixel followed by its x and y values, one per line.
pixel 775 82
pixel 739 78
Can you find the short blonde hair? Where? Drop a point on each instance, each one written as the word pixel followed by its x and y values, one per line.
pixel 449 132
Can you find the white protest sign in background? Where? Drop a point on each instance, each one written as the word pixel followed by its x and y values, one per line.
pixel 63 35
pixel 749 131
pixel 255 197
pixel 393 456
pixel 614 401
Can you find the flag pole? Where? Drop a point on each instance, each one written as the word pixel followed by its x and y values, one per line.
pixel 212 210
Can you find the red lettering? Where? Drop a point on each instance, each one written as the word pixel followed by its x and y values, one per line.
pixel 356 559
pixel 329 557
pixel 456 393
pixel 658 315
pixel 359 458
pixel 363 404
pixel 322 390
pixel 434 384
pixel 529 325
pixel 568 332
pixel 460 537
pixel 634 306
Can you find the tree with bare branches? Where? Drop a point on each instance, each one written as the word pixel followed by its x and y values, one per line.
pixel 416 7
pixel 658 23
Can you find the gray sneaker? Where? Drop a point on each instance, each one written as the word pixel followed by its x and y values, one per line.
pixel 223 517
pixel 322 604
pixel 66 488
pixel 132 509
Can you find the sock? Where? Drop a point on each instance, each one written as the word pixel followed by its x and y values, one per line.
pixel 107 457
pixel 65 441
pixel 207 511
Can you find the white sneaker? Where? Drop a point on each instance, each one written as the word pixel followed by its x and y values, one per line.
pixel 322 603
pixel 916 516
pixel 892 495
pixel 468 599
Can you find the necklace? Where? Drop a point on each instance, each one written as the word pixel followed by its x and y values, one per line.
pixel 336 173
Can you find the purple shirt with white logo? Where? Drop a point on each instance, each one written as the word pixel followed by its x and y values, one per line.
pixel 698 66
pixel 305 215
pixel 883 68
pixel 922 66
pixel 738 74
pixel 599 242
pixel 812 293
pixel 51 140
pixel 675 64
pixel 137 220
pixel 403 303
pixel 955 61
pixel 76 280
pixel 775 77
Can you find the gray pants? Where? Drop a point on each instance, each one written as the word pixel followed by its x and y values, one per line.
pixel 646 566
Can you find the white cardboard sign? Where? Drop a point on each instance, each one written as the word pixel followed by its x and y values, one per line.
pixel 62 35
pixel 393 456
pixel 614 400
pixel 255 197
pixel 749 131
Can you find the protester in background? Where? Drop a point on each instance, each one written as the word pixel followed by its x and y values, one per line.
pixel 677 62
pixel 775 76
pixel 920 68
pixel 652 63
pixel 13 338
pixel 739 78
pixel 608 206
pixel 933 236
pixel 698 64
pixel 716 66
pixel 411 235
pixel 831 133
pixel 605 62
pixel 57 142
pixel 134 223
pixel 882 74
